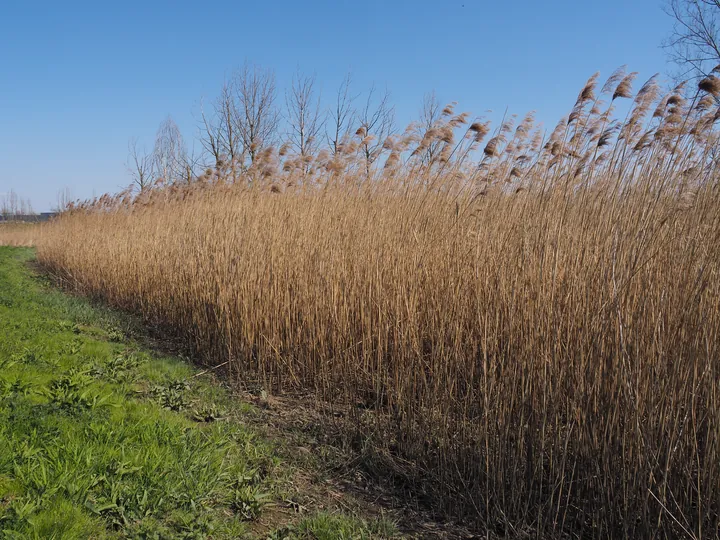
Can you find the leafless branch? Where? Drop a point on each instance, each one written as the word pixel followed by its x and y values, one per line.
pixel 429 115
pixel 303 115
pixel 377 123
pixel 341 116
pixel 140 166
pixel 694 43
pixel 169 154
pixel 255 117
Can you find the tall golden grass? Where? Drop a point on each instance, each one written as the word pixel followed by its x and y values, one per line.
pixel 528 330
pixel 17 233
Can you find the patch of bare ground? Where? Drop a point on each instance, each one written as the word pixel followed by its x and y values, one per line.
pixel 331 474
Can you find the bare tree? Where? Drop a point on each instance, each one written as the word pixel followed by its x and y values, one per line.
pixel 6 204
pixel 211 134
pixel 13 206
pixel 26 208
pixel 221 138
pixel 429 115
pixel 256 117
pixel 303 115
pixel 694 44
pixel 377 123
pixel 140 166
pixel 169 154
pixel 341 116
pixel 191 164
pixel 63 200
pixel 13 203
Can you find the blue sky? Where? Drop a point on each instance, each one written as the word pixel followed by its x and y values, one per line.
pixel 79 79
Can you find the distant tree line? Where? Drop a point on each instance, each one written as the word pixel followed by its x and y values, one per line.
pixel 15 207
pixel 248 117
pixel 11 205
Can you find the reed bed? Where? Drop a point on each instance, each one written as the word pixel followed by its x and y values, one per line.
pixel 525 328
pixel 18 233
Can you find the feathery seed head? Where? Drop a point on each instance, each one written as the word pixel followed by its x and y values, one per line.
pixel 705 103
pixel 616 77
pixel 624 89
pixel 711 85
pixel 588 91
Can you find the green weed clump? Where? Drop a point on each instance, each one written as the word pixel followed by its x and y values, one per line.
pixel 85 452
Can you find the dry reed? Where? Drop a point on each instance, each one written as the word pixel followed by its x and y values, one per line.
pixel 532 325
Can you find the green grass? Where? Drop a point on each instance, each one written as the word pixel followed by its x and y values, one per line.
pixel 103 438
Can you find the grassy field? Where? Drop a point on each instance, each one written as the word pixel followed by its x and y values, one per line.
pixel 522 326
pixel 101 437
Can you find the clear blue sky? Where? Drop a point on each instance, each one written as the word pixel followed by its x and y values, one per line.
pixel 79 79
